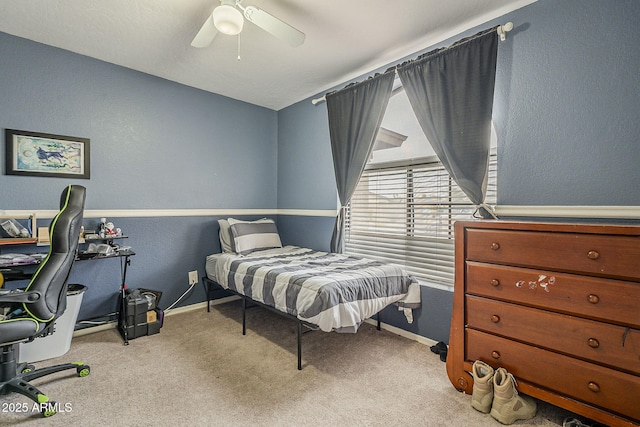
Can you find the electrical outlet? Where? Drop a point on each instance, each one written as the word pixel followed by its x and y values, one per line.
pixel 193 277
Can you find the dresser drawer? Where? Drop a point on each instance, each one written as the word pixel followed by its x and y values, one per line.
pixel 603 387
pixel 602 255
pixel 593 297
pixel 602 343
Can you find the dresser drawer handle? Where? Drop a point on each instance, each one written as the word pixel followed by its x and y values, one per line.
pixel 594 387
pixel 495 246
pixel 593 299
pixel 593 343
pixel 593 255
pixel 495 283
pixel 495 318
pixel 495 354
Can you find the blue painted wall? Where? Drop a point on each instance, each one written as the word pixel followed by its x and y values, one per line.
pixel 565 109
pixel 566 113
pixel 567 103
pixel 155 144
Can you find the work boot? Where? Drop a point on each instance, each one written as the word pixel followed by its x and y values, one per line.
pixel 482 396
pixel 508 406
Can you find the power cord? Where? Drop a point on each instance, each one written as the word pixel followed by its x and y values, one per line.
pixel 98 322
pixel 91 322
pixel 191 286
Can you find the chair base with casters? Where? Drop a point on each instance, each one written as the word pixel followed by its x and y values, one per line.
pixel 16 377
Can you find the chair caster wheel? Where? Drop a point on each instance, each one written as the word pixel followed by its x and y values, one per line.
pixel 49 410
pixel 83 370
pixel 28 368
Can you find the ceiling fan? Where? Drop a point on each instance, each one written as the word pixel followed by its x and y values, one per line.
pixel 228 19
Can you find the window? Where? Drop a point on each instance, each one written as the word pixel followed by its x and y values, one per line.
pixel 405 204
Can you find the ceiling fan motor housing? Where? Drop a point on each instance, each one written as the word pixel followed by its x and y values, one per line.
pixel 228 19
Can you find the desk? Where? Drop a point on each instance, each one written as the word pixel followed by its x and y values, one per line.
pixel 12 271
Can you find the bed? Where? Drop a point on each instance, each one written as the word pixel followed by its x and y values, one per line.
pixel 320 290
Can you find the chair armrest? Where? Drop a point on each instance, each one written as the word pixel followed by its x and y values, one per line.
pixel 11 296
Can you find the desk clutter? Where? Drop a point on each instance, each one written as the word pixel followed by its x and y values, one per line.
pixel 104 246
pixel 141 315
pixel 11 259
pixel 13 228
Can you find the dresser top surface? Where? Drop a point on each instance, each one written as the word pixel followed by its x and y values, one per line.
pixel 560 227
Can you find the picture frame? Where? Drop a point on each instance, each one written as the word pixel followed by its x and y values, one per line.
pixel 46 155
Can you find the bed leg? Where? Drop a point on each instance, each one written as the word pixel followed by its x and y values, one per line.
pixel 244 316
pixel 207 291
pixel 299 346
pixel 378 326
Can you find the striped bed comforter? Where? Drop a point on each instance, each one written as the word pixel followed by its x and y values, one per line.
pixel 335 292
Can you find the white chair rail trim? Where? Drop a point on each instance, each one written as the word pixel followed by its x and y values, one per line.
pixel 596 212
pixel 148 213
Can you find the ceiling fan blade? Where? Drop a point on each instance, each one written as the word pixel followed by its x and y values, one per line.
pixel 274 26
pixel 206 34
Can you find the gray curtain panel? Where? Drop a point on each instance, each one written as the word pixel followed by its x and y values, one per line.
pixel 355 115
pixel 451 93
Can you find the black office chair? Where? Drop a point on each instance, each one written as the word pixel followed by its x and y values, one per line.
pixel 41 303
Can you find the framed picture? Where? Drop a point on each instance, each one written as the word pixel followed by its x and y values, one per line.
pixel 43 154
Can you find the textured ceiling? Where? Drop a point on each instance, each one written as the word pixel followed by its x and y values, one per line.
pixel 344 39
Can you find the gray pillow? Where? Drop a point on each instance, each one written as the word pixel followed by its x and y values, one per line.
pixel 225 235
pixel 249 236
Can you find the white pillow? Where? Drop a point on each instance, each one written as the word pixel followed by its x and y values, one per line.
pixel 225 235
pixel 249 236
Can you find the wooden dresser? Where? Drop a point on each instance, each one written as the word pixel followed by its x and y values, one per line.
pixel 557 305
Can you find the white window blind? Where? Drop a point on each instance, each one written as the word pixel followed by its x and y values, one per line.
pixel 404 214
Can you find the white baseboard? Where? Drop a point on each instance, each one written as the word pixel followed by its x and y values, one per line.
pixel 94 329
pixel 406 334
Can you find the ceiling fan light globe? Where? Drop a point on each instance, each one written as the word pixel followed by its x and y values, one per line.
pixel 228 19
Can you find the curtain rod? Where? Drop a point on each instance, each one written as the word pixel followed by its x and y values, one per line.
pixel 502 31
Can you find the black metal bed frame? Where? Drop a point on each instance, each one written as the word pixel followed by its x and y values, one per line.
pixel 211 286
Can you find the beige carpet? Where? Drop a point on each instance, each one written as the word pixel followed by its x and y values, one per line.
pixel 201 371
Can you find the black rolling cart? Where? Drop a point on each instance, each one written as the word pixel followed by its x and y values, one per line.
pixel 108 249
